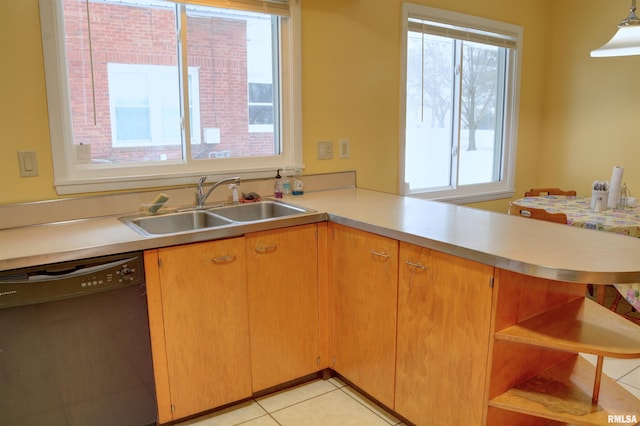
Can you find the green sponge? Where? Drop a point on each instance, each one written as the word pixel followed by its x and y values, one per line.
pixel 157 202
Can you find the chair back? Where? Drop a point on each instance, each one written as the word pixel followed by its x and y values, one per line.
pixel 541 214
pixel 533 192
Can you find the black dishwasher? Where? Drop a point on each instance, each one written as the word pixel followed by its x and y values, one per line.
pixel 74 344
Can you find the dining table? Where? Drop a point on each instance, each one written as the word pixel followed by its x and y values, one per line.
pixel 579 213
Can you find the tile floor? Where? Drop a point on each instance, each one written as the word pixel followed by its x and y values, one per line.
pixel 332 403
pixel 625 371
pixel 317 403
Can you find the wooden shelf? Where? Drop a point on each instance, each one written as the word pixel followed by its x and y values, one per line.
pixel 554 423
pixel 563 394
pixel 579 326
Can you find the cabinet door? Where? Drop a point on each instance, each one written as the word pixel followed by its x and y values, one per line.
pixel 444 311
pixel 283 304
pixel 364 297
pixel 204 303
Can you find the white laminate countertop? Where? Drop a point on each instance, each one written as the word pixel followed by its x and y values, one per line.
pixel 538 248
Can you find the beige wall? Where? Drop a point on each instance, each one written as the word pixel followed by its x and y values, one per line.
pixel 576 121
pixel 351 74
pixel 592 106
pixel 23 103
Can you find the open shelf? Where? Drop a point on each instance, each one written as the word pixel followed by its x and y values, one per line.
pixel 579 326
pixel 563 394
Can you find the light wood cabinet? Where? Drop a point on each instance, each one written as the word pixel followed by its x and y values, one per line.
pixel 199 326
pixel 364 269
pixel 444 314
pixel 437 338
pixel 283 304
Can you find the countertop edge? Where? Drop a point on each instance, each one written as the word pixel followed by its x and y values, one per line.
pixel 550 251
pixel 555 274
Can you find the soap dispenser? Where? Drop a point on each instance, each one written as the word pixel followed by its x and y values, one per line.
pixel 298 185
pixel 277 186
pixel 286 183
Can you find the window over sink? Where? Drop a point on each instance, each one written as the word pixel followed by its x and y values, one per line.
pixel 146 93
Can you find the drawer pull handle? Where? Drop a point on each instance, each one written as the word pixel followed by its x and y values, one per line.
pixel 380 254
pixel 417 265
pixel 223 259
pixel 266 249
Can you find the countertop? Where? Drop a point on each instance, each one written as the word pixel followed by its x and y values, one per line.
pixel 532 247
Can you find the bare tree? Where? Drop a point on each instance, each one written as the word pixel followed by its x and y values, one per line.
pixel 479 88
pixel 431 76
pixel 430 68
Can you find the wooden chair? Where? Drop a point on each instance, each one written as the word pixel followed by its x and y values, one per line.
pixel 548 191
pixel 540 214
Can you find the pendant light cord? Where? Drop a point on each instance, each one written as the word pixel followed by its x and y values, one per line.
pixel 93 80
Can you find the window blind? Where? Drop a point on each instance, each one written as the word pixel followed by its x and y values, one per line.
pixel 272 7
pixel 450 30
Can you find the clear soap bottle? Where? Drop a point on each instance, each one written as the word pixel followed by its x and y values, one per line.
pixel 286 183
pixel 298 185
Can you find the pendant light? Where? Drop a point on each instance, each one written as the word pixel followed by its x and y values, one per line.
pixel 626 41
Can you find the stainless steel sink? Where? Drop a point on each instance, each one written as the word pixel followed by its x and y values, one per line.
pixel 223 218
pixel 174 223
pixel 261 210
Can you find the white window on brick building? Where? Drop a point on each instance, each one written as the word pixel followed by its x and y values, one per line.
pixel 145 105
pixel 260 64
pixel 148 92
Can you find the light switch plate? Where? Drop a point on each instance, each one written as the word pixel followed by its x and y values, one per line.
pixel 344 148
pixel 325 150
pixel 28 162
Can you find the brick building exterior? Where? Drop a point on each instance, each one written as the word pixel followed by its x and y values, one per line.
pixel 217 49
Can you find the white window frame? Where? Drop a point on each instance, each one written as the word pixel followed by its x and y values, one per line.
pixel 72 176
pixel 505 187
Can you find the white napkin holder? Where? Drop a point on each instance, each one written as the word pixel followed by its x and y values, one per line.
pixel 599 200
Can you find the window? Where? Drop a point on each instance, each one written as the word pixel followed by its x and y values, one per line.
pixel 260 97
pixel 460 95
pixel 261 106
pixel 145 105
pixel 147 93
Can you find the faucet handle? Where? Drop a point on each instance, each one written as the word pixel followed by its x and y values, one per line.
pixel 199 188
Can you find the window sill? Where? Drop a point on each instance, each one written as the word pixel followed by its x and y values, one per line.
pixel 466 198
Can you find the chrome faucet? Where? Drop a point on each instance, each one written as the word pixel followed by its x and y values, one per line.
pixel 201 197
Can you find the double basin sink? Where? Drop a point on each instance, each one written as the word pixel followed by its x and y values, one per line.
pixel 211 218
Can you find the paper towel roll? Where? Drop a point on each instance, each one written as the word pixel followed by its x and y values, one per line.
pixel 614 186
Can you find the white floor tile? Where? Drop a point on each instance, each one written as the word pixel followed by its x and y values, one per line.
pixel 335 408
pixel 635 391
pixel 261 421
pixel 371 406
pixel 295 395
pixel 337 382
pixel 235 415
pixel 632 378
pixel 614 367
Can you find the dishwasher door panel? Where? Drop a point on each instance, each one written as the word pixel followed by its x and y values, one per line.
pixel 80 361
